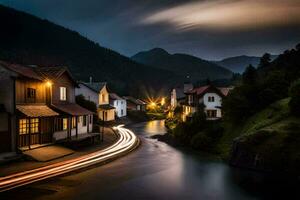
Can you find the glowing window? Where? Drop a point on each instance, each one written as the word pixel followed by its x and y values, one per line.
pixel 34 125
pixel 63 93
pixel 23 126
pixel 65 123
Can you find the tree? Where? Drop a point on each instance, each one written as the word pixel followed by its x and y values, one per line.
pixel 265 60
pixel 250 75
pixel 294 93
pixel 86 103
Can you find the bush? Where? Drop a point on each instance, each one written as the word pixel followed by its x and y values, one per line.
pixel 294 93
pixel 201 141
pixel 80 100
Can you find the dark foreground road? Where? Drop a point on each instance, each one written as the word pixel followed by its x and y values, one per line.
pixel 154 171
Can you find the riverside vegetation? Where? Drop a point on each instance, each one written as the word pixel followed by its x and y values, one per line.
pixel 261 124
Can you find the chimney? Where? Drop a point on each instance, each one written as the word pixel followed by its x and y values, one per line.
pixel 91 79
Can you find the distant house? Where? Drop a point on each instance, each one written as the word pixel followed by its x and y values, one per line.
pixel 40 106
pixel 88 92
pixel 119 103
pixel 105 111
pixel 135 104
pixel 209 96
pixel 178 94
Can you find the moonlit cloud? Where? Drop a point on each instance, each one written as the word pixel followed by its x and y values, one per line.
pixel 231 14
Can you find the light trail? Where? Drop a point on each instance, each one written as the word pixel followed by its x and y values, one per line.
pixel 127 141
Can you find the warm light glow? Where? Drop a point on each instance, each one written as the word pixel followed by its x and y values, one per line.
pixel 163 101
pixel 48 83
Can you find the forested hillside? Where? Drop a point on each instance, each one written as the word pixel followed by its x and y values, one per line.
pixel 33 41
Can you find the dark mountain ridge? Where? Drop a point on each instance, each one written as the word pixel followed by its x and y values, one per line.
pixel 182 64
pixel 238 64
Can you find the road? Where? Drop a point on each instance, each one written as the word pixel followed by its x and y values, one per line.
pixel 156 171
pixel 127 142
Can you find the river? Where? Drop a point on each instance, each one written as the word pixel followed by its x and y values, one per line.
pixel 158 171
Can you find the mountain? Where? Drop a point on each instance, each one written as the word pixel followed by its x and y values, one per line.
pixel 182 64
pixel 238 64
pixel 26 39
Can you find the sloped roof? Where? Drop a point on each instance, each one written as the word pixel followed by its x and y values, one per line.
pixel 97 86
pixel 36 110
pixel 22 70
pixel 134 100
pixel 114 96
pixel 106 107
pixel 72 109
pixel 200 91
pixel 225 91
pixel 53 73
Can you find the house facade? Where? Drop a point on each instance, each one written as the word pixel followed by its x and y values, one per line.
pixel 178 95
pixel 119 103
pixel 209 96
pixel 38 106
pixel 134 104
pixel 98 93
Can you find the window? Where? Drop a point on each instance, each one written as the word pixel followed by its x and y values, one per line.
pixel 65 124
pixel 91 119
pixel 31 93
pixel 84 120
pixel 23 126
pixel 122 112
pixel 63 93
pixel 211 99
pixel 80 119
pixel 73 122
pixel 211 113
pixel 34 125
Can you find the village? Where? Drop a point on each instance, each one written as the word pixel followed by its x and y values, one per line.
pixel 39 108
pixel 149 100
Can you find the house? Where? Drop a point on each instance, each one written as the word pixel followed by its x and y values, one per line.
pixel 119 103
pixel 39 105
pixel 178 95
pixel 135 104
pixel 105 111
pixel 88 92
pixel 209 96
pixel 73 120
pixel 26 119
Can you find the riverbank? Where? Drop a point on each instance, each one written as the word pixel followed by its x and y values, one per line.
pixel 268 141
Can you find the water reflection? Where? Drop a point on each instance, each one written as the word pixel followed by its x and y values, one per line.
pixel 159 171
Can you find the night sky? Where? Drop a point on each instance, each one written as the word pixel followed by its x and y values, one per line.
pixel 209 29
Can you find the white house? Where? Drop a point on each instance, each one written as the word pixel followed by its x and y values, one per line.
pixel 88 92
pixel 98 93
pixel 208 96
pixel 119 103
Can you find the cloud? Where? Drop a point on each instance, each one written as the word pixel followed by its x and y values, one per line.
pixel 229 14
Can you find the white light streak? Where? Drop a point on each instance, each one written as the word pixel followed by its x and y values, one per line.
pixel 127 141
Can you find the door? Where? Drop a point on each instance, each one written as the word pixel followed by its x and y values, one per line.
pixel 5 136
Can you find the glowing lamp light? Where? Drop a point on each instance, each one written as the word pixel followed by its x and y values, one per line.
pixel 152 104
pixel 48 83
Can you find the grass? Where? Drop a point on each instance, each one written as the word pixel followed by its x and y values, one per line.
pixel 270 119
